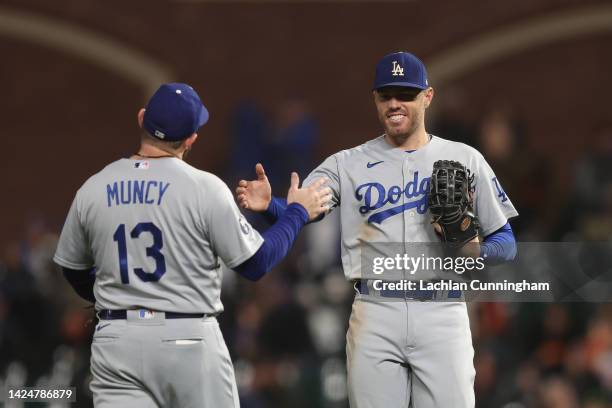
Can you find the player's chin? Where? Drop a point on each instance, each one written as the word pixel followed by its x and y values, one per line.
pixel 397 130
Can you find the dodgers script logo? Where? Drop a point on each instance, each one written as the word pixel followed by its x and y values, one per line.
pixel 375 195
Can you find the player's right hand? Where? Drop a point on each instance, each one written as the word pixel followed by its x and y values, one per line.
pixel 255 194
pixel 314 198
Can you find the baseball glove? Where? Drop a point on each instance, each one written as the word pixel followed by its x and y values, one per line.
pixel 450 203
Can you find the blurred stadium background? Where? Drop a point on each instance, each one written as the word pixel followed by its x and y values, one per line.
pixel 287 83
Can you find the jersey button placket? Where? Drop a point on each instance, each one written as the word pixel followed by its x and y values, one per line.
pixel 405 178
pixel 407 172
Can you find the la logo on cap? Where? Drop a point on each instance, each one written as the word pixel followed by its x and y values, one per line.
pixel 397 69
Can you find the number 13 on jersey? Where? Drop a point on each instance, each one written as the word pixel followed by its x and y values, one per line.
pixel 154 251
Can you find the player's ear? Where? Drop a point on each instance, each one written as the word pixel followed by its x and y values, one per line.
pixel 141 117
pixel 429 94
pixel 190 140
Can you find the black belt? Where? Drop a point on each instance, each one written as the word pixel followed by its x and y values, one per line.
pixel 361 285
pixel 122 314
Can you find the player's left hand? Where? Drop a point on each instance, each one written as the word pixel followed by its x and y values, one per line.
pixel 314 198
pixel 255 194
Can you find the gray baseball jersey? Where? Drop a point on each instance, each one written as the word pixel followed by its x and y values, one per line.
pixel 405 352
pixel 156 230
pixel 382 194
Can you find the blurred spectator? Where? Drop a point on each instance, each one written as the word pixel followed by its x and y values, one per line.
pixel 249 131
pixel 527 380
pixel 487 370
pixel 593 182
pixel 557 392
pixel 554 337
pixel 292 143
pixel 502 140
pixel 598 347
pixel 588 214
pixel 30 324
pixel 449 120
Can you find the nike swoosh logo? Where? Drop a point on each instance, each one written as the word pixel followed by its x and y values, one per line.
pixel 370 165
pixel 100 327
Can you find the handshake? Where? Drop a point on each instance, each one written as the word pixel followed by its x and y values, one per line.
pixel 256 195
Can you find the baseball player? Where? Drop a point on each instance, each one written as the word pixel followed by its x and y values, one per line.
pixel 145 239
pixel 413 350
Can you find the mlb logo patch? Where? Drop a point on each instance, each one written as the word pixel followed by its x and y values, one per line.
pixel 143 165
pixel 146 314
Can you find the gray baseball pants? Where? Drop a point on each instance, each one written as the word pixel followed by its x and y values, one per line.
pixel 409 353
pixel 158 362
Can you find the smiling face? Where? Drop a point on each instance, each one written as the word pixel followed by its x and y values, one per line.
pixel 401 110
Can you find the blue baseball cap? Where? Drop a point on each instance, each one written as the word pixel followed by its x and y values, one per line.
pixel 401 69
pixel 174 112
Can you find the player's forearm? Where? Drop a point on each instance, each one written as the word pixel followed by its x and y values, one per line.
pixel 499 246
pixel 82 282
pixel 276 209
pixel 278 239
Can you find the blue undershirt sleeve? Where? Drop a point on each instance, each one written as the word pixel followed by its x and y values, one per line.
pixel 82 281
pixel 276 208
pixel 278 239
pixel 500 246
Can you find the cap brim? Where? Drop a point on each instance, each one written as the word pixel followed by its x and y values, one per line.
pixel 203 117
pixel 402 84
